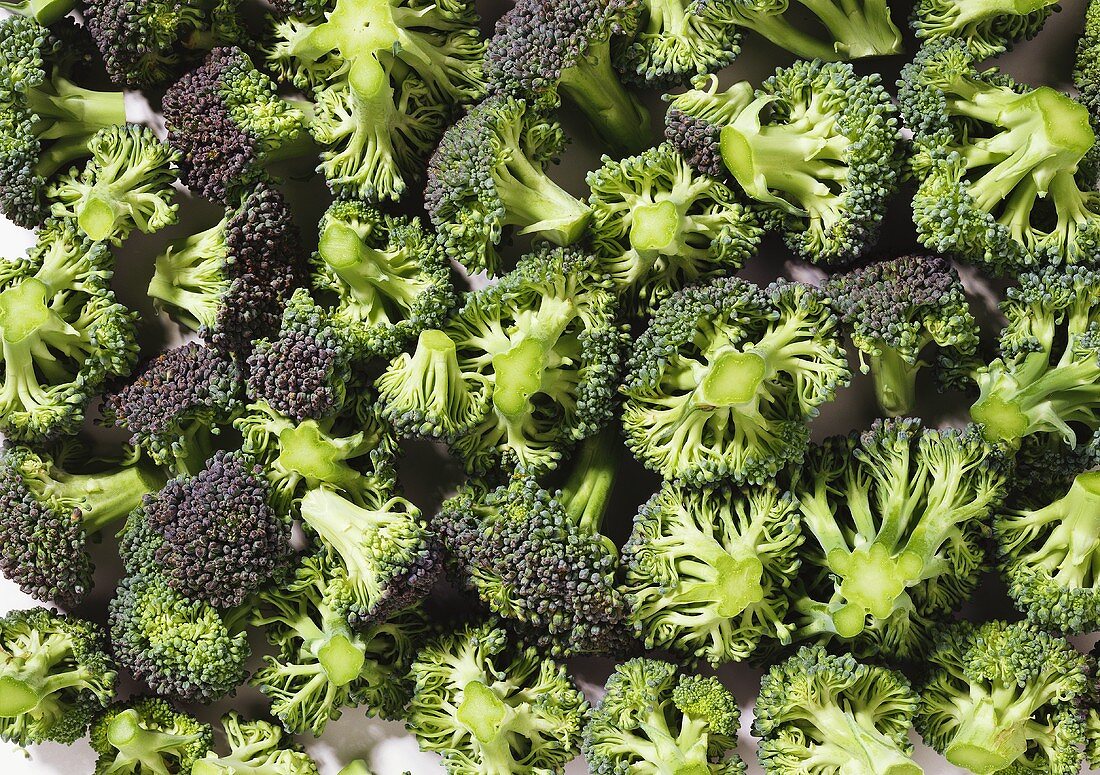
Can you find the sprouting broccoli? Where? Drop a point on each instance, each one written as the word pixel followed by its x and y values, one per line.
pixel 489 705
pixel 126 185
pixel 893 520
pixel 897 309
pixel 707 570
pixel 488 173
pixel 1047 376
pixel 255 748
pixel 829 713
pixel 387 275
pixel 723 381
pixel 816 146
pixel 147 736
pixel 544 50
pixel 1003 697
pixel 50 503
pixel 228 122
pixel 658 225
pixel 989 27
pixel 387 78
pixel 998 164
pixel 322 665
pixel 55 674
pixel 1086 67
pixel 654 719
pixel 42 11
pixel 46 120
pixel 529 368
pixel 230 282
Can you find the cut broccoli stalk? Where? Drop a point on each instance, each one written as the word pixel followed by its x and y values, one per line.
pixel 989 738
pixel 142 748
pixel 317 456
pixel 863 748
pixel 45 12
pixel 531 197
pixel 522 369
pixel 593 86
pixel 895 381
pixel 29 682
pixel 71 115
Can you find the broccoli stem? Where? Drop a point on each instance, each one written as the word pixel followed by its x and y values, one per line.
pixel 524 367
pixel 26 684
pixel 616 115
pixel 45 12
pixel 190 277
pixel 105 498
pixel 782 33
pixel 991 735
pixel 858 747
pixel 1070 551
pixel 383 283
pixel 895 381
pixel 140 749
pixel 316 456
pixel 488 718
pixel 71 115
pixel 535 202
pixel 861 28
pixel 587 491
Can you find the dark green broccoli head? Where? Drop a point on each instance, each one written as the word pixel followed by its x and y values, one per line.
pixel 1086 70
pixel 989 27
pixel 256 748
pixel 147 736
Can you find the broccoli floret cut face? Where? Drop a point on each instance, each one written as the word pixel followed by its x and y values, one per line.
pixel 658 225
pixel 389 278
pixel 227 121
pixel 487 705
pixel 1003 696
pixel 723 381
pixel 989 27
pixel 54 676
pixel 654 719
pixel 707 570
pixel 146 736
pixel 256 748
pixel 829 713
pixel 998 164
pixel 488 173
pixel 896 312
pixel 42 11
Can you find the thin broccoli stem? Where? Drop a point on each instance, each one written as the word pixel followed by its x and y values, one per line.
pixel 895 381
pixel 587 492
pixel 67 110
pixel 107 497
pixel 535 202
pixel 861 28
pixel 616 115
pixel 782 33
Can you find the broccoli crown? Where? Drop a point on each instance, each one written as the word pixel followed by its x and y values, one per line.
pixel 820 710
pixel 707 570
pixel 145 44
pixel 1086 70
pixel 1002 694
pixel 652 718
pixel 488 705
pixel 658 225
pixel 998 164
pixel 389 278
pixel 147 736
pixel 322 665
pixel 227 121
pixel 893 519
pixel 816 146
pixel 232 281
pixel 54 676
pixel 178 646
pixel 989 27
pixel 894 311
pixel 723 381
pixel 1047 378
pixel 42 11
pixel 50 504
pixel 256 748
pixel 488 173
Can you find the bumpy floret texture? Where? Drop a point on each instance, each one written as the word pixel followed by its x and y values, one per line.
pixel 988 28
pixel 146 736
pixel 256 748
pixel 1086 70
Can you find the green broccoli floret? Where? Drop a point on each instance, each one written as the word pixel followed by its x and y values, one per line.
pixel 54 676
pixel 989 27
pixel 658 225
pixel 998 164
pixel 816 146
pixel 1002 697
pixel 387 275
pixel 1086 69
pixel 723 381
pixel 488 705
pixel 819 712
pixel 897 309
pixel 707 570
pixel 255 748
pixel 488 173
pixel 42 11
pixel 654 719
pixel 893 520
pixel 147 736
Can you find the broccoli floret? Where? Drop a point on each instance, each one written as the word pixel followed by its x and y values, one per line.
pixel 542 51
pixel 488 173
pixel 47 121
pixel 829 713
pixel 654 719
pixel 147 736
pixel 387 79
pixel 816 146
pixel 388 276
pixel 707 570
pixel 227 121
pixel 894 311
pixel 1086 69
pixel 989 27
pixel 256 748
pixel 488 705
pixel 50 504
pixel 1002 697
pixel 42 11
pixel 723 381
pixel 893 520
pixel 1047 378
pixel 998 164
pixel 54 676
pixel 322 665
pixel 231 281
pixel 658 225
